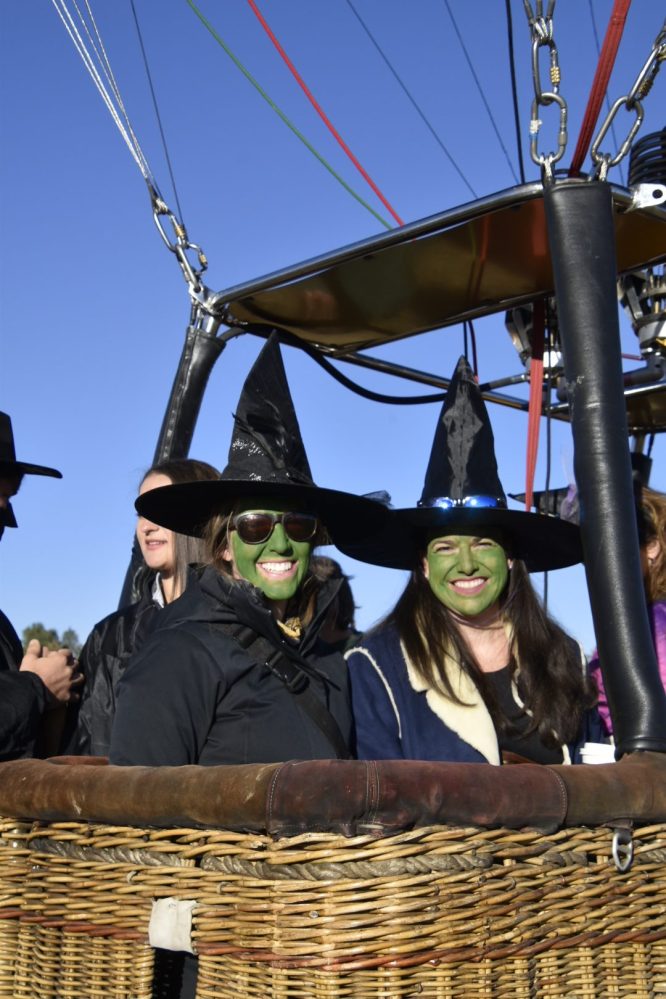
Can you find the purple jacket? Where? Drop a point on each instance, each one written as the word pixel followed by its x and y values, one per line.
pixel 657 613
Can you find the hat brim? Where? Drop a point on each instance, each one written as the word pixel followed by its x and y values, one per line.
pixel 188 506
pixel 7 518
pixel 542 542
pixel 26 468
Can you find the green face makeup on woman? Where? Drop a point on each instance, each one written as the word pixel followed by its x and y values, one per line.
pixel 467 574
pixel 277 565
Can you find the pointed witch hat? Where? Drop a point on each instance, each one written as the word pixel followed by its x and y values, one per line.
pixel 462 493
pixel 267 460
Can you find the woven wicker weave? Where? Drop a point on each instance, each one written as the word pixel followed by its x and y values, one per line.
pixel 14 854
pixel 438 912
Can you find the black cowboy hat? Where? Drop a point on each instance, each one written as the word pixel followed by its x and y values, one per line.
pixel 8 463
pixel 10 467
pixel 267 459
pixel 462 493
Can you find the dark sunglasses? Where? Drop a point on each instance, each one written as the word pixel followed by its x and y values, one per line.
pixel 255 528
pixel 468 502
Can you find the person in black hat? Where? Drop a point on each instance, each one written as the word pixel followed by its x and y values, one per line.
pixel 42 679
pixel 468 667
pixel 235 672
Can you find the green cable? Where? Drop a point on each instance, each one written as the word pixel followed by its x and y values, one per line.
pixel 286 120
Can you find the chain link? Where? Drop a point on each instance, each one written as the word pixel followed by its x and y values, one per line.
pixel 632 102
pixel 541 27
pixel 181 245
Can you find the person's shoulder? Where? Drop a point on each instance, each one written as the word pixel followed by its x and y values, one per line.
pixel 123 620
pixel 375 644
pixel 658 612
pixel 189 629
pixel 127 613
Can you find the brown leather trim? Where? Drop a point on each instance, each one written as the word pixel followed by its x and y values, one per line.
pixel 228 797
pixel 345 796
pixel 391 795
pixel 634 788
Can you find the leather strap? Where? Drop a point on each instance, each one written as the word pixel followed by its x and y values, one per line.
pixel 295 680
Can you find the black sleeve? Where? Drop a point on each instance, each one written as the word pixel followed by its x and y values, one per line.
pixel 166 702
pixel 80 722
pixel 105 656
pixel 23 697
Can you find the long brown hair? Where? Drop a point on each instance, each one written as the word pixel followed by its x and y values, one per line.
pixel 551 681
pixel 216 541
pixel 652 527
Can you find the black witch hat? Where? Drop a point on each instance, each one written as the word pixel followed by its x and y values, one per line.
pixel 267 459
pixel 462 493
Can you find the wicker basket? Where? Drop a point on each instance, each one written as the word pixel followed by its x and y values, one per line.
pixel 439 912
pixel 14 854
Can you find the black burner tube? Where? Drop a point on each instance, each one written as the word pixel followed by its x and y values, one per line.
pixel 581 235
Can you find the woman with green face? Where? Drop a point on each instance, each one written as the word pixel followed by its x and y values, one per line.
pixel 468 667
pixel 235 672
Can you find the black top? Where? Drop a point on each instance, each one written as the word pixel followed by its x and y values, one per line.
pixel 23 698
pixel 192 694
pixel 103 660
pixel 516 740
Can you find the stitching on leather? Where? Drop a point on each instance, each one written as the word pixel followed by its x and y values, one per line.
pixel 272 788
pixel 564 797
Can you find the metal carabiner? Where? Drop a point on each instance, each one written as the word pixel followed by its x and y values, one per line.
pixel 554 73
pixel 535 124
pixel 646 77
pixel 623 849
pixel 604 161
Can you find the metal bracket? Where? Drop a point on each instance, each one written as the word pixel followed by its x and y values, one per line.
pixel 647 196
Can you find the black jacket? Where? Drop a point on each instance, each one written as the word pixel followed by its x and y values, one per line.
pixel 194 695
pixel 23 698
pixel 103 660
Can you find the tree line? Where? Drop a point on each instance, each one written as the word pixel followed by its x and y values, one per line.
pixel 50 637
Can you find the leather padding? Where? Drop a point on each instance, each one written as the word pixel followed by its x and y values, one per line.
pixel 343 796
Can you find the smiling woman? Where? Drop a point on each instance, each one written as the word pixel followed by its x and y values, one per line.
pixel 467 574
pixel 234 672
pixel 468 666
pixel 115 638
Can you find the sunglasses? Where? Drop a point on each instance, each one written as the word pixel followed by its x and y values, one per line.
pixel 255 528
pixel 468 502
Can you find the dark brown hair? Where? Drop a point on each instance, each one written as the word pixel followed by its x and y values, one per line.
pixel 551 681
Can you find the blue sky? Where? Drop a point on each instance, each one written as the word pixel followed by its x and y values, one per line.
pixel 93 308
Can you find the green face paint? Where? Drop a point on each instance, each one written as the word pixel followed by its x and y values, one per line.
pixel 466 574
pixel 278 565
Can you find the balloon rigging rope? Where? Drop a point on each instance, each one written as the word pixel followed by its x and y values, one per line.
pixel 514 90
pixel 412 100
pixel 480 89
pixel 322 114
pixel 118 113
pixel 600 82
pixel 246 73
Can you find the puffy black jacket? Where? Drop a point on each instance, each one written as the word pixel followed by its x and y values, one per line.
pixel 23 698
pixel 192 694
pixel 103 660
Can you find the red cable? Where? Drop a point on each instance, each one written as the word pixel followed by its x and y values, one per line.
pixel 536 395
pixel 600 82
pixel 304 87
